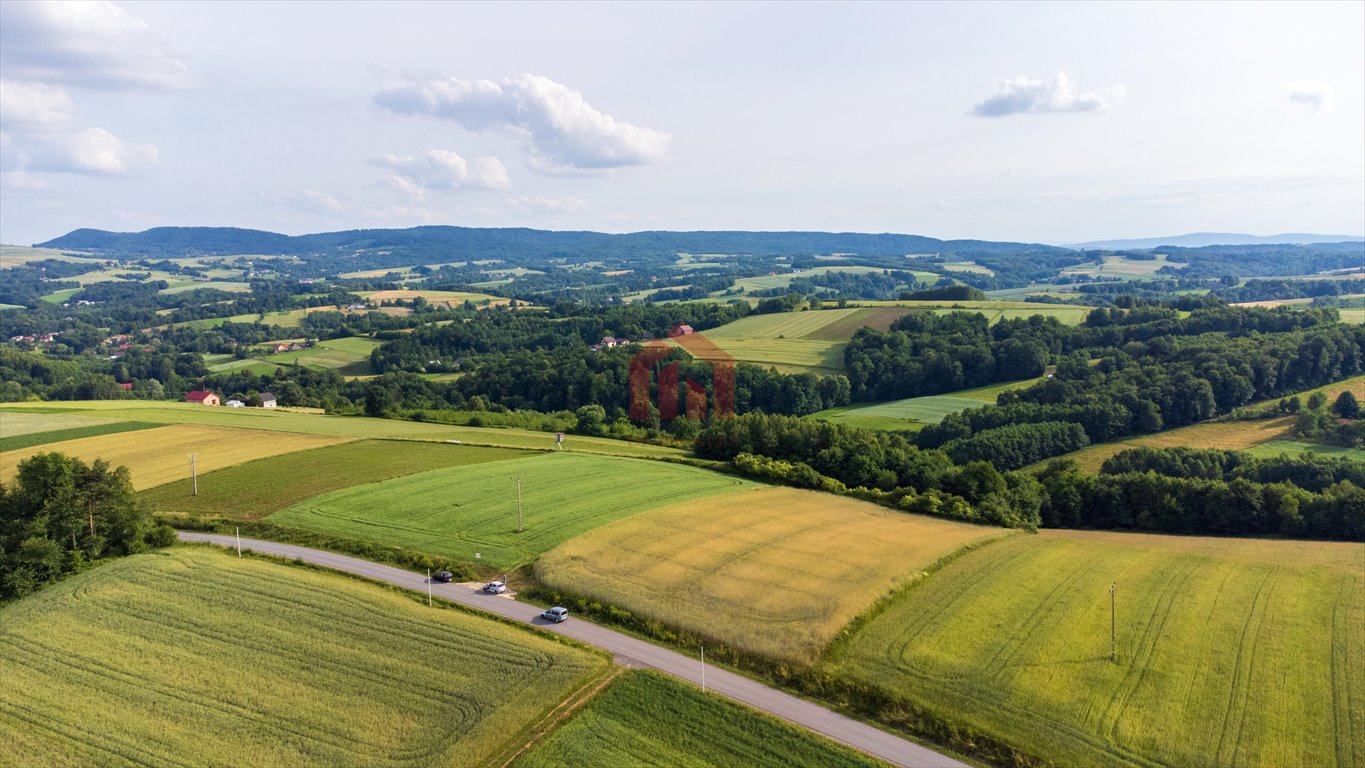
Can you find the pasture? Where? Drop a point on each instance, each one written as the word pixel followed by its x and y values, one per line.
pixel 162 455
pixel 349 355
pixel 446 298
pixel 796 342
pixel 995 311
pixel 1272 448
pixel 1123 267
pixel 10 442
pixel 769 282
pixel 772 571
pixel 193 657
pixel 913 413
pixel 289 318
pixel 1230 651
pixel 283 421
pixel 644 718
pixel 254 489
pixel 461 510
pixel 18 255
pixel 1225 435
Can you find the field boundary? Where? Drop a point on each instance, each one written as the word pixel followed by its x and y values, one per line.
pixel 537 731
pixel 838 645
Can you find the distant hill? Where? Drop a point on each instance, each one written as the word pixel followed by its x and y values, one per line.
pixel 1200 239
pixel 453 243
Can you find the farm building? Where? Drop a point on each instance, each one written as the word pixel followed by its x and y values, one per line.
pixel 681 330
pixel 125 385
pixel 267 400
pixel 202 396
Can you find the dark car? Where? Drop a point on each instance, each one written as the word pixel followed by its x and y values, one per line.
pixel 445 577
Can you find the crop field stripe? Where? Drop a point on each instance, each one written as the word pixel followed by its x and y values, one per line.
pixel 1342 693
pixel 18 442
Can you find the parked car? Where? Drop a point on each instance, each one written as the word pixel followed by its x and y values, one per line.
pixel 495 587
pixel 445 577
pixel 556 614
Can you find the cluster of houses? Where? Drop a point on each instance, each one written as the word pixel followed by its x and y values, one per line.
pixel 42 338
pixel 207 397
pixel 288 346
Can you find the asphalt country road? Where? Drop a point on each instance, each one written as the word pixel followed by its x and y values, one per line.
pixel 628 651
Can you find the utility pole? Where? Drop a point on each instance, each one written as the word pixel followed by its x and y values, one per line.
pixel 239 541
pixel 518 503
pixel 1113 637
pixel 194 475
pixel 703 669
pixel 428 587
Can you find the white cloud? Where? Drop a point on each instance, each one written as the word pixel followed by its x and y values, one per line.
pixel 546 205
pixel 1024 95
pixel 97 152
pixel 562 132
pixel 34 106
pixel 1317 97
pixel 442 169
pixel 88 44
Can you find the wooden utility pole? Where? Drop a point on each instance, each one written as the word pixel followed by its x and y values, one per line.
pixel 703 669
pixel 1113 637
pixel 194 475
pixel 518 503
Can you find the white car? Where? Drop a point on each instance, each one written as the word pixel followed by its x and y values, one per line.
pixel 495 587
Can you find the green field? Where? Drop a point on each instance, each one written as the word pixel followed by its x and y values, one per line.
pixel 1123 267
pixel 771 571
pixel 349 356
pixel 253 490
pixel 1272 448
pixel 10 442
pixel 275 420
pixel 769 282
pixel 193 657
pixel 17 255
pixel 913 413
pixel 1230 651
pixel 14 424
pixel 995 310
pixel 289 318
pixel 646 719
pixel 796 342
pixel 462 510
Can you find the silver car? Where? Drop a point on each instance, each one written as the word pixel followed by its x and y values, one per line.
pixel 556 614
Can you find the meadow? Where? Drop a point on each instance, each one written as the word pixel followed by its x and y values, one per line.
pixel 1123 267
pixel 193 657
pixel 1260 436
pixel 252 490
pixel 446 298
pixel 349 355
pixel 161 455
pixel 995 311
pixel 913 413
pixel 772 571
pixel 1230 651
pixel 285 318
pixel 644 719
pixel 10 442
pixel 796 342
pixel 284 421
pixel 461 510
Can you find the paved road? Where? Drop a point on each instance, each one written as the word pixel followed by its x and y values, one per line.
pixel 628 651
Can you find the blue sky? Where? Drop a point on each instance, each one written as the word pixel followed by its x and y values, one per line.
pixel 1008 121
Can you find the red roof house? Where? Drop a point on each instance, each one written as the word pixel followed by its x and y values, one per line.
pixel 202 396
pixel 125 385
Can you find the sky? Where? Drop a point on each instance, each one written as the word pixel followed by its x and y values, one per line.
pixel 1038 122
